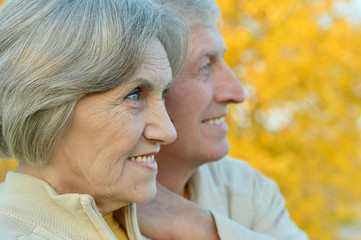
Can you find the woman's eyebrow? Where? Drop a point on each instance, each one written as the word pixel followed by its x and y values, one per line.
pixel 148 84
pixel 144 82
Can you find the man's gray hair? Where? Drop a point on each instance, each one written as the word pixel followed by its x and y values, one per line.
pixel 195 12
pixel 54 52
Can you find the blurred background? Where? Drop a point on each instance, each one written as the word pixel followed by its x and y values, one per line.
pixel 300 63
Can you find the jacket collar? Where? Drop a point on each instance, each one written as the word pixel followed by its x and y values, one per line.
pixel 77 214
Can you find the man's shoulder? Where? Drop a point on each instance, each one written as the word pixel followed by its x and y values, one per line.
pixel 235 174
pixel 229 166
pixel 2 185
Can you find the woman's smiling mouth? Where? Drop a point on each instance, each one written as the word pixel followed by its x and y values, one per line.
pixel 147 161
pixel 143 159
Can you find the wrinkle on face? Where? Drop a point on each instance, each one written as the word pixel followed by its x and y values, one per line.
pixel 106 129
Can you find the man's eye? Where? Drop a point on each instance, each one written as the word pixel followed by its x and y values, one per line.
pixel 164 93
pixel 206 66
pixel 135 94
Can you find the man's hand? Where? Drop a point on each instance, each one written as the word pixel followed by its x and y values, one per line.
pixel 169 216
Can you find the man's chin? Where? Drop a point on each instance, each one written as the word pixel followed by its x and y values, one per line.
pixel 217 151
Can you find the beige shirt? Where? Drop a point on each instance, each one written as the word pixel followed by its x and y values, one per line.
pixel 245 204
pixel 31 209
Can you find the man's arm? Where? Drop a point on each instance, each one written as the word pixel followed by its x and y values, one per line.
pixel 244 204
pixel 170 216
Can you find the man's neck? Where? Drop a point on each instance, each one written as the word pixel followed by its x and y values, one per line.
pixel 175 176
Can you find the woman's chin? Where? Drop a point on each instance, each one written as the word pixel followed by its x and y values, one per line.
pixel 147 195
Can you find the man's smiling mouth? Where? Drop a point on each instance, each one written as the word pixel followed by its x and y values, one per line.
pixel 215 121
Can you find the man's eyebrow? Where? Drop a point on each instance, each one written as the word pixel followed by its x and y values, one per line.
pixel 212 53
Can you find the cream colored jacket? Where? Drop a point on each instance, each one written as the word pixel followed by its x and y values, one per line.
pixel 246 205
pixel 31 209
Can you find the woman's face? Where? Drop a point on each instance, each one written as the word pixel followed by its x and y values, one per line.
pixel 110 146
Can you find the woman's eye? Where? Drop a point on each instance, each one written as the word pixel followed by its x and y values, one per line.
pixel 135 94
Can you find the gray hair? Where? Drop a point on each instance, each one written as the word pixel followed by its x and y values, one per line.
pixel 54 52
pixel 195 12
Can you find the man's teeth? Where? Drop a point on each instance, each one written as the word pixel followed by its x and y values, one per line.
pixel 143 159
pixel 216 121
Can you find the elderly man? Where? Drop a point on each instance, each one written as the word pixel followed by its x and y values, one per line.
pixel 201 193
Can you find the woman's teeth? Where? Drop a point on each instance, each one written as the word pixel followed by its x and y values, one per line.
pixel 143 159
pixel 216 121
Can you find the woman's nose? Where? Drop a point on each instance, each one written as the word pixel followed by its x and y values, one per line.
pixel 159 127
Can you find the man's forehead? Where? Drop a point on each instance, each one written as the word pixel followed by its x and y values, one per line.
pixel 206 42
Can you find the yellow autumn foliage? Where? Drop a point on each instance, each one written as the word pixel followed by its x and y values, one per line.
pixel 300 63
pixel 6 166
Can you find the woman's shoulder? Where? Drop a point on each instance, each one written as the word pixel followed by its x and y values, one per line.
pixel 12 226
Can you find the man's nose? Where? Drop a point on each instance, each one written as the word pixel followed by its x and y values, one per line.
pixel 228 88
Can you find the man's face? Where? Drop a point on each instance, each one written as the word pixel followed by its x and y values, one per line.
pixel 197 101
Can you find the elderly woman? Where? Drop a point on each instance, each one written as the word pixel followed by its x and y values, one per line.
pixel 82 109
